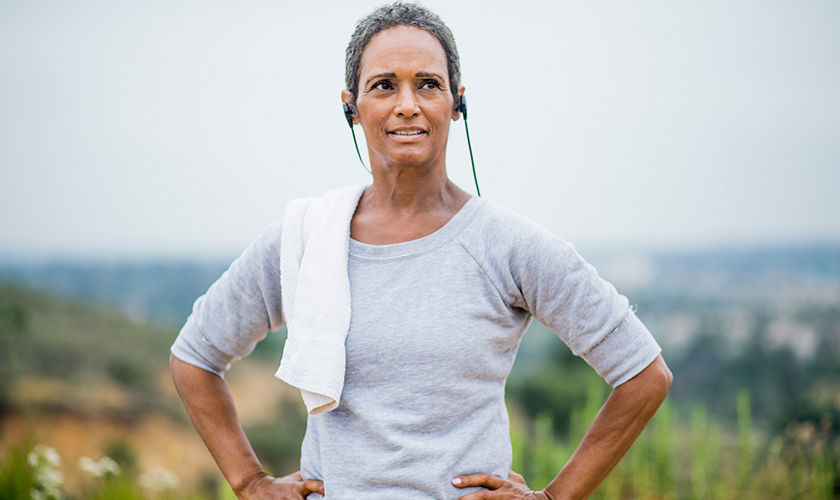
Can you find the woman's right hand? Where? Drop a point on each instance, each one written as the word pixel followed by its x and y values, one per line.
pixel 291 487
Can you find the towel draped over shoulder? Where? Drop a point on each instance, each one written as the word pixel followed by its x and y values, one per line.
pixel 315 290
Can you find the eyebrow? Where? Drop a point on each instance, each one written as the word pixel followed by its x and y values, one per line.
pixel 424 74
pixel 421 74
pixel 380 75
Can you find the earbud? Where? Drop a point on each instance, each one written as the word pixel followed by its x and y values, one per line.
pixel 462 105
pixel 348 113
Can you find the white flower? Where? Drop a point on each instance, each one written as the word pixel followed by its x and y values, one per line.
pixel 52 479
pixel 43 456
pixel 51 457
pixel 106 466
pixel 109 466
pixel 88 465
pixel 158 480
pixel 48 480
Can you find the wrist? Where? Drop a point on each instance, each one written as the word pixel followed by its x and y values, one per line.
pixel 239 486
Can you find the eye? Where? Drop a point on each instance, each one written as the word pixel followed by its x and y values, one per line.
pixel 382 85
pixel 430 84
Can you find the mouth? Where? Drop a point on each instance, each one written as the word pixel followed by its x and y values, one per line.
pixel 407 133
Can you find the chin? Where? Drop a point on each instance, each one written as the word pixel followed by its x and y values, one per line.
pixel 411 159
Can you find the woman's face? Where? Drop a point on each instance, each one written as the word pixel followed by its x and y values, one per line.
pixel 404 103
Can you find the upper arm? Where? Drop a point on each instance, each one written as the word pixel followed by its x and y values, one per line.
pixel 237 310
pixel 566 294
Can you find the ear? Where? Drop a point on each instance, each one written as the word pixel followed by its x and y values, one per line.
pixel 347 98
pixel 456 113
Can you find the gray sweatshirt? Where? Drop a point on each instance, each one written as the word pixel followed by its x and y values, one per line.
pixel 436 323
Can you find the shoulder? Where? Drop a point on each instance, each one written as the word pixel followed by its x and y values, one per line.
pixel 502 231
pixel 270 237
pixel 515 252
pixel 263 254
pixel 343 195
pixel 302 213
pixel 490 213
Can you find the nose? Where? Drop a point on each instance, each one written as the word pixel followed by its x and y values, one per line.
pixel 406 104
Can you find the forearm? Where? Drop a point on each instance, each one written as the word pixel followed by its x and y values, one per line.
pixel 210 406
pixel 622 418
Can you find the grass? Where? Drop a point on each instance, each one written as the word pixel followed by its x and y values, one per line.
pixel 692 457
pixel 678 457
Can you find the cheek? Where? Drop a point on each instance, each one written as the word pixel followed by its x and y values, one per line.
pixel 445 118
pixel 369 116
pixel 442 114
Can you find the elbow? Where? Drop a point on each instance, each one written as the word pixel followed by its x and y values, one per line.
pixel 667 378
pixel 175 372
pixel 652 384
pixel 173 367
pixel 659 379
pixel 173 364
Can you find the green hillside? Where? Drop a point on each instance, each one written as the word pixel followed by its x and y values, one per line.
pixel 92 382
pixel 81 345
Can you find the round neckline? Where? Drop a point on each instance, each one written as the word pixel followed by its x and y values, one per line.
pixel 418 246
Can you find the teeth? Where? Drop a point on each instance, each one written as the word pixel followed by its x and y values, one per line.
pixel 416 132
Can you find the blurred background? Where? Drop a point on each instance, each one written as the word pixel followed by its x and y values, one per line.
pixel 690 153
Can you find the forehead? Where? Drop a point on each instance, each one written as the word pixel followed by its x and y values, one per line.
pixel 403 47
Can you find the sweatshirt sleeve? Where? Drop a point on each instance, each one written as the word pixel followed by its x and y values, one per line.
pixel 237 311
pixel 540 273
pixel 566 294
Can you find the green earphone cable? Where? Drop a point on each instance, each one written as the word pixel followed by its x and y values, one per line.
pixel 472 162
pixel 358 152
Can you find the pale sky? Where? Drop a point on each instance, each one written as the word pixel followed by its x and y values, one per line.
pixel 182 128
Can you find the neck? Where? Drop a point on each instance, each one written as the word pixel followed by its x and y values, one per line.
pixel 411 189
pixel 405 203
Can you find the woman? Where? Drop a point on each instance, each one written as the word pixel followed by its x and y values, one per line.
pixel 443 285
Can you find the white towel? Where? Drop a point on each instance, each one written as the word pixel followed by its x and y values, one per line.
pixel 315 290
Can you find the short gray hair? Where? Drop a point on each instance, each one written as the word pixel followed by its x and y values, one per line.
pixel 399 14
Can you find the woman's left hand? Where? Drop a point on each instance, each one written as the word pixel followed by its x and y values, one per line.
pixel 512 488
